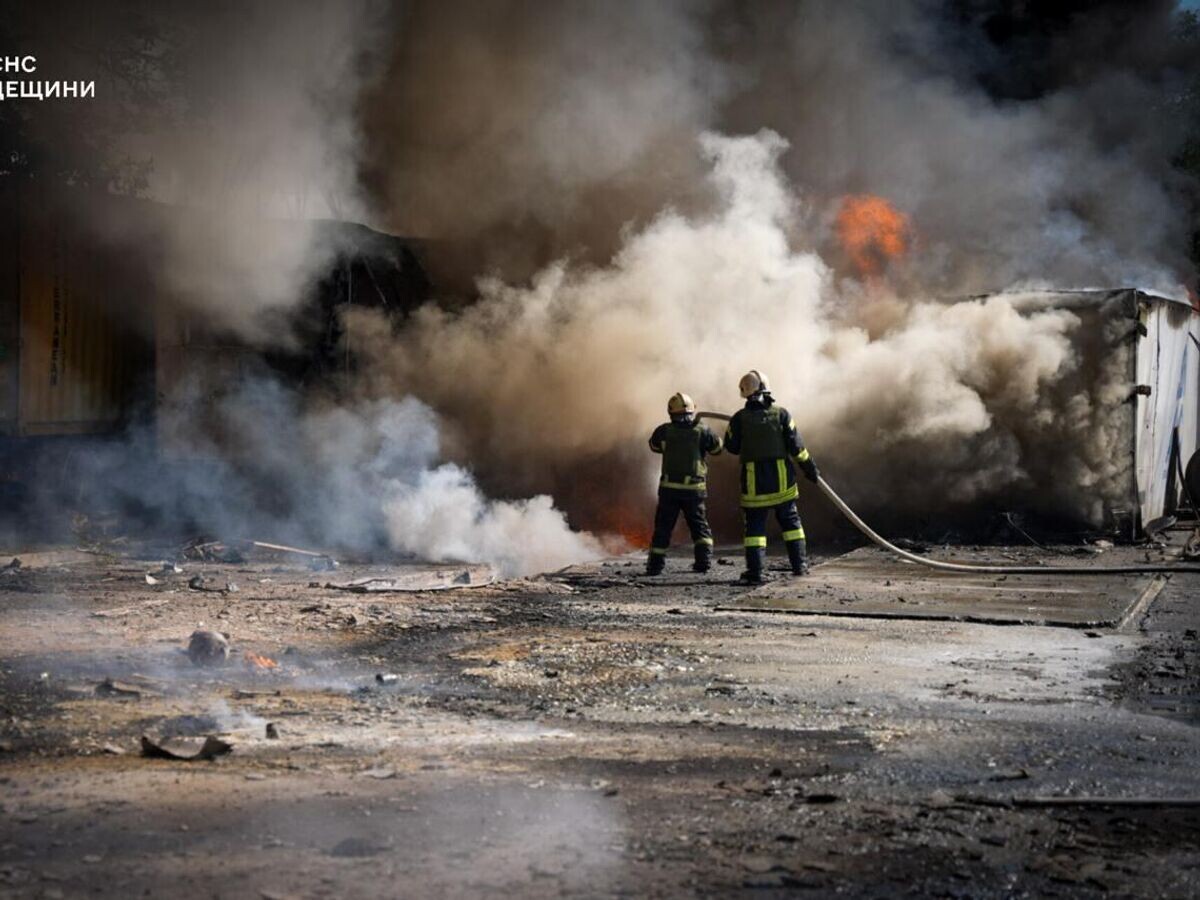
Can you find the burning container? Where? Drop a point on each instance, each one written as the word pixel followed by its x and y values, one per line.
pixel 1136 396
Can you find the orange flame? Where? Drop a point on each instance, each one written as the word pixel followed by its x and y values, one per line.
pixel 626 529
pixel 872 232
pixel 636 535
pixel 259 662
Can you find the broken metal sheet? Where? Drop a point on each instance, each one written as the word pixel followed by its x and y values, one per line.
pixel 110 688
pixel 870 584
pixel 1167 362
pixel 318 561
pixel 424 579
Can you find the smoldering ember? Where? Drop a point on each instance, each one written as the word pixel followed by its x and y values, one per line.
pixel 512 448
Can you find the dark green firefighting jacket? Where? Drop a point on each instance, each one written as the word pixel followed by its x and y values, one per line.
pixel 683 446
pixel 765 437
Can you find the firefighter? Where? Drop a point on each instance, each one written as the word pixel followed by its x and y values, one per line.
pixel 764 436
pixel 683 486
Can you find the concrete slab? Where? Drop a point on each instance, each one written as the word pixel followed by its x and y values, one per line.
pixel 868 583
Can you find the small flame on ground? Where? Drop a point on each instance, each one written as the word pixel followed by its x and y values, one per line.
pixel 258 661
pixel 872 232
pixel 637 536
pixel 622 530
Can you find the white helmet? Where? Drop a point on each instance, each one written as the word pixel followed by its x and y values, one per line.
pixel 681 403
pixel 752 383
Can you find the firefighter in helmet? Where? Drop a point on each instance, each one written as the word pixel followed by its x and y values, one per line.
pixel 764 436
pixel 683 487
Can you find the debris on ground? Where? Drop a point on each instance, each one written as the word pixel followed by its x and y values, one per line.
pixel 200 583
pixel 208 648
pixel 318 561
pixel 663 743
pixel 187 749
pixel 380 773
pixel 211 551
pixel 243 694
pixel 436 580
pixel 126 610
pixel 1191 549
pixel 356 847
pixel 110 688
pixel 14 577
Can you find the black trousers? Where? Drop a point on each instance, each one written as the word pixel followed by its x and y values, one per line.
pixel 754 518
pixel 695 513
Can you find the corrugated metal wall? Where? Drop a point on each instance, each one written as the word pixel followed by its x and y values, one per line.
pixel 80 354
pixel 10 306
pixel 1168 364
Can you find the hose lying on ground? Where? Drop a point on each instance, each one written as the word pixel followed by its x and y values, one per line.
pixel 967 567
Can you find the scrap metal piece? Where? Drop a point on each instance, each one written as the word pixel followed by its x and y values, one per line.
pixel 422 580
pixel 1191 550
pixel 319 562
pixel 110 688
pixel 183 749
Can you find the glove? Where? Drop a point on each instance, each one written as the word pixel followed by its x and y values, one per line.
pixel 811 472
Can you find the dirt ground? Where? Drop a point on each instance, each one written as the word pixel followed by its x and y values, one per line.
pixel 589 733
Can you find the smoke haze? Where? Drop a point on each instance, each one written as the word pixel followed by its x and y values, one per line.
pixel 934 409
pixel 629 199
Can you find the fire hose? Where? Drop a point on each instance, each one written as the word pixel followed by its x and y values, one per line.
pixel 968 568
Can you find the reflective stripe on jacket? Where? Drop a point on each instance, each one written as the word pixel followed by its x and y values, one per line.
pixel 765 438
pixel 684 446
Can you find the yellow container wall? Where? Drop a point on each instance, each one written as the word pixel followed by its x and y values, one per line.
pixel 77 356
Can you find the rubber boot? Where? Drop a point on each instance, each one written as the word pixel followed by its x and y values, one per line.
pixel 798 557
pixel 755 557
pixel 655 563
pixel 703 558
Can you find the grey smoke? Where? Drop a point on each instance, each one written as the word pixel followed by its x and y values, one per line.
pixel 359 477
pixel 536 131
pixel 639 199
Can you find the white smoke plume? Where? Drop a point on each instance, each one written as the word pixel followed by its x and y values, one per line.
pixel 934 409
pixel 1017 164
pixel 359 477
pixel 385 456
